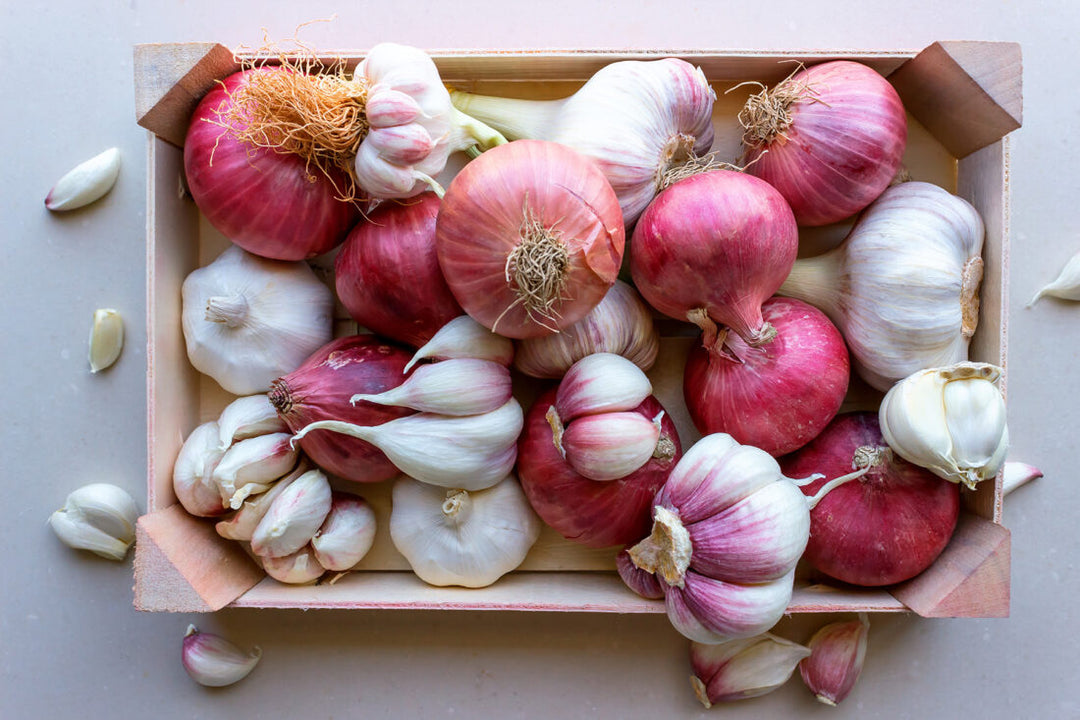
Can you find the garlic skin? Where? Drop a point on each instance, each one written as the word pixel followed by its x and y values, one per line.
pixel 213 661
pixel 248 320
pixel 459 386
pixel 241 526
pixel 99 517
pixel 346 535
pixel 251 466
pixel 294 517
pixel 463 337
pixel 106 339
pixel 300 568
pixel 836 657
pixel 1065 286
pixel 87 182
pixel 903 287
pixel 247 417
pixel 193 472
pixel 621 324
pixel 601 383
pixel 458 537
pixel 949 420
pixel 742 669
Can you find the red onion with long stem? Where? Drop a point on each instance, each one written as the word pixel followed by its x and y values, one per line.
pixel 712 248
pixel 387 273
pixel 778 396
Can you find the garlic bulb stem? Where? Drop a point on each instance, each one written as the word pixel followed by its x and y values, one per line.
pixel 230 310
pixel 866 458
pixel 457 505
pixel 818 279
pixel 515 118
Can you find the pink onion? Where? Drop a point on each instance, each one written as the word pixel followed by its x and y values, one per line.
pixel 387 273
pixel 778 396
pixel 713 247
pixel 530 237
pixel 597 513
pixel 321 388
pixel 830 138
pixel 882 528
pixel 269 203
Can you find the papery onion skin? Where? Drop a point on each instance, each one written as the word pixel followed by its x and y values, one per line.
pixel 778 396
pixel 720 241
pixel 480 224
pixel 843 147
pixel 269 203
pixel 387 273
pixel 594 513
pixel 880 529
pixel 321 389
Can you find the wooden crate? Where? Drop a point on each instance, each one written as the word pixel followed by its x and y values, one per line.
pixel 963 98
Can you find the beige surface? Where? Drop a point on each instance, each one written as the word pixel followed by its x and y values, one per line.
pixel 73 645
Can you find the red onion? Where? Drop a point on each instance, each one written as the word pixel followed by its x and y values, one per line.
pixel 387 273
pixel 530 237
pixel 830 138
pixel 597 513
pixel 269 203
pixel 882 528
pixel 321 388
pixel 715 246
pixel 778 396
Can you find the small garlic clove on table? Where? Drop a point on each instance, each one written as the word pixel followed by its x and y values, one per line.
pixel 213 661
pixel 836 658
pixel 87 182
pixel 106 339
pixel 98 517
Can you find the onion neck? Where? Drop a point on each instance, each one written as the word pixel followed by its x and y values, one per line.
pixel 231 310
pixel 666 552
pixel 816 280
pixel 865 459
pixel 514 118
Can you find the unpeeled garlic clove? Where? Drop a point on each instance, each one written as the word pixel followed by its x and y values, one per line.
pixel 86 182
pixel 1067 284
pixel 213 661
pixel 347 533
pixel 640 581
pixel 294 517
pixel 741 669
pixel 251 466
pixel 459 386
pixel 836 658
pixel 193 472
pixel 611 445
pixel 106 339
pixel 247 417
pixel 241 526
pixel 98 517
pixel 300 568
pixel 601 383
pixel 463 337
pixel 1018 474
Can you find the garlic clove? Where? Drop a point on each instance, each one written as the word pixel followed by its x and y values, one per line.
pixel 601 383
pixel 193 472
pixel 346 535
pixel 251 466
pixel 98 517
pixel 609 446
pixel 300 568
pixel 213 661
pixel 712 611
pixel 642 582
pixel 247 417
pixel 1067 284
pixel 241 526
pixel 836 657
pixel 106 339
pixel 715 473
pixel 463 337
pixel 1018 474
pixel 86 182
pixel 386 108
pixel 459 386
pixel 294 517
pixel 742 669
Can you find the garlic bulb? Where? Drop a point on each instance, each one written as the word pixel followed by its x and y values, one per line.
pixel 621 324
pixel 903 287
pixel 1065 286
pixel 837 651
pixel 98 517
pixel 742 669
pixel 347 533
pixel 463 337
pixel 949 420
pixel 247 417
pixel 458 537
pixel 728 529
pixel 213 661
pixel 636 119
pixel 251 466
pixel 241 526
pixel 248 320
pixel 459 386
pixel 294 517
pixel 193 472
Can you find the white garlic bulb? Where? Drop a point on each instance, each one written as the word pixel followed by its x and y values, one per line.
pixel 248 320
pixel 949 420
pixel 457 537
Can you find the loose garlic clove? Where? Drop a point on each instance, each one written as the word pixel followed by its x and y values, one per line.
pixel 106 339
pixel 601 383
pixel 87 182
pixel 98 517
pixel 193 472
pixel 949 420
pixel 1018 474
pixel 300 568
pixel 241 526
pixel 741 669
pixel 294 517
pixel 611 445
pixel 251 466
pixel 247 417
pixel 836 659
pixel 346 535
pixel 459 386
pixel 213 661
pixel 1067 284
pixel 463 337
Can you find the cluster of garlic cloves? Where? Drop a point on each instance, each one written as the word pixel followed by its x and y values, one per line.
pixel 744 668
